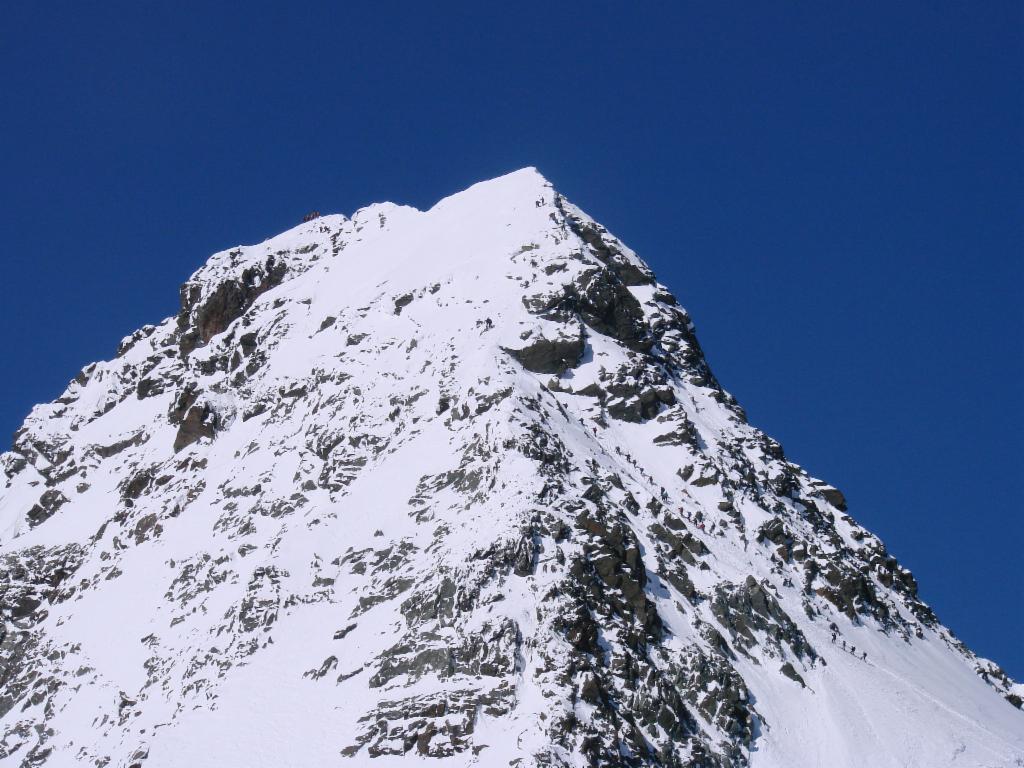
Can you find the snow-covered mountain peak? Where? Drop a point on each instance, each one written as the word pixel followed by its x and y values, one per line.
pixel 501 193
pixel 452 484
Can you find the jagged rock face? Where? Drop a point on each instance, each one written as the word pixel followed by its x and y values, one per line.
pixel 453 486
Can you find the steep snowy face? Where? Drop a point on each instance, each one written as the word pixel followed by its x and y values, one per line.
pixel 456 485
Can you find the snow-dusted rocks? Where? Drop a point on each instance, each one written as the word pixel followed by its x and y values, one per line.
pixel 454 487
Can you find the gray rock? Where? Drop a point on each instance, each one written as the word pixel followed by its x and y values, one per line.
pixel 555 356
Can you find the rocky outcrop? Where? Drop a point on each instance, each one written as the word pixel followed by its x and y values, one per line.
pixel 605 304
pixel 551 355
pixel 752 616
pixel 199 421
pixel 30 580
pixel 628 269
pixel 48 504
pixel 207 311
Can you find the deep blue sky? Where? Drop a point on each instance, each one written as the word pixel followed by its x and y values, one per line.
pixel 834 191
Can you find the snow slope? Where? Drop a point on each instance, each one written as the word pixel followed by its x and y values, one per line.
pixel 450 486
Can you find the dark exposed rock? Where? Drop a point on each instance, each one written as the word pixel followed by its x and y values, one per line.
pixel 129 342
pixel 435 725
pixel 677 542
pixel 544 355
pixel 636 392
pixel 832 495
pixel 607 306
pixel 30 579
pixel 184 400
pixel 853 593
pixel 683 432
pixel 48 504
pixel 203 317
pixel 402 302
pixel 200 421
pixel 789 671
pixel 752 616
pixel 259 607
pixel 135 484
pixel 777 532
pixel 614 575
pixel 148 387
pixel 299 390
pixel 603 303
pixel 106 451
pixel 604 248
pixel 412 663
pixel 644 404
pixel 147 527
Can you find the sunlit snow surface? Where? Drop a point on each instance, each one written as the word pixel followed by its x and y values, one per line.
pixel 381 555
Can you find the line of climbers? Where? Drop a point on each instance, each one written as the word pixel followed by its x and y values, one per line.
pixel 697 518
pixel 852 649
pixel 310 216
